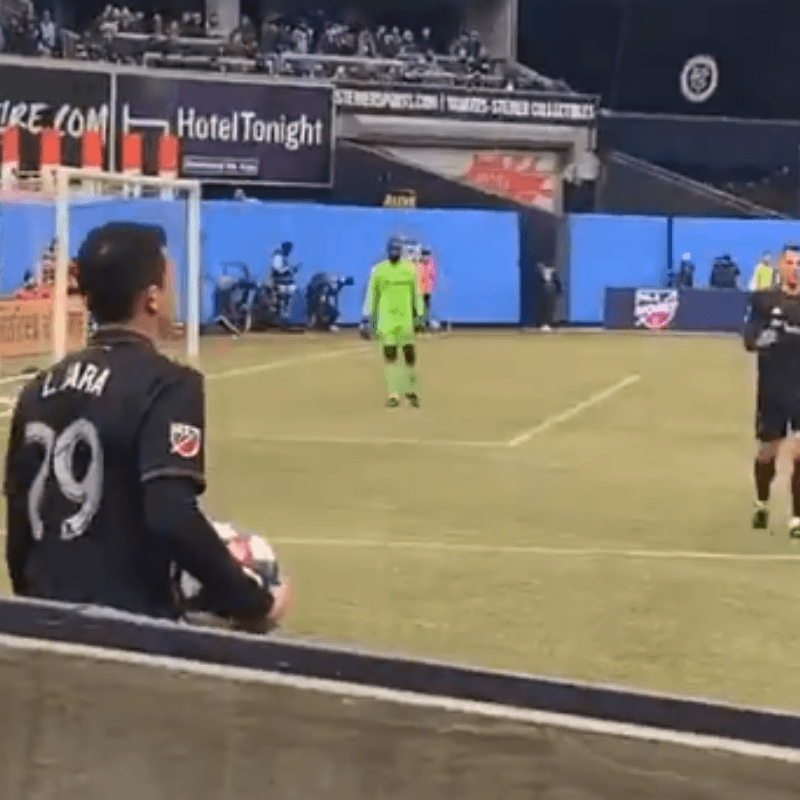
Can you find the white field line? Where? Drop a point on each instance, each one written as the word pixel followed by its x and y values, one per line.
pixel 410 699
pixel 557 552
pixel 284 362
pixel 231 373
pixel 633 554
pixel 16 379
pixel 572 411
pixel 368 442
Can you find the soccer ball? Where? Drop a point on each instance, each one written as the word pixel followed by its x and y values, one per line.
pixel 434 325
pixel 255 556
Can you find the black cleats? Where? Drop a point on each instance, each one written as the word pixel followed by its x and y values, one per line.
pixel 761 519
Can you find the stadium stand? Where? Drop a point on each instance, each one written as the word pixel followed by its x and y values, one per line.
pixel 312 45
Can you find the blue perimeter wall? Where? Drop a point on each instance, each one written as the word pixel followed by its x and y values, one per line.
pixel 477 252
pixel 629 251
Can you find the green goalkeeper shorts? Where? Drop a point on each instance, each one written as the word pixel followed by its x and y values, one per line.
pixel 396 334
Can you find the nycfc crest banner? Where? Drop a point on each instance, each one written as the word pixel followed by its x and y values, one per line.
pixel 655 308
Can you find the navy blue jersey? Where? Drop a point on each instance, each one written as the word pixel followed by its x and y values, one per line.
pixel 774 327
pixel 86 437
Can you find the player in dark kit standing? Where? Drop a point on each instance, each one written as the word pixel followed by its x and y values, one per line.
pixel 773 331
pixel 106 457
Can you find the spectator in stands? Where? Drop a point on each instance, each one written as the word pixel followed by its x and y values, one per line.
pixel 301 40
pixel 47 32
pixel 425 41
pixel 366 43
pixel 409 45
pixel 248 31
pixel 460 47
pixel 351 36
pixel 270 37
pixel 474 45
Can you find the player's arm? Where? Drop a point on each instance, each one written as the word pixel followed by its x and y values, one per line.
pixel 417 301
pixel 372 296
pixel 757 333
pixel 172 471
pixel 19 537
pixel 370 309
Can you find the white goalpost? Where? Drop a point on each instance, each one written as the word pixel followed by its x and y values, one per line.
pixel 87 198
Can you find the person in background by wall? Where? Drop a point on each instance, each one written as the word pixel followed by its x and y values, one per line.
pixel 685 276
pixel 282 277
pixel 724 273
pixel 551 291
pixel 763 276
pixel 427 281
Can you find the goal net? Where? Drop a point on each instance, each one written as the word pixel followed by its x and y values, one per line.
pixel 44 220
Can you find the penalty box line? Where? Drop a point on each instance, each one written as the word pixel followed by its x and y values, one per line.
pixel 573 411
pixel 251 369
pixel 545 425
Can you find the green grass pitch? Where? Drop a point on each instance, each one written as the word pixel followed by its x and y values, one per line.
pixel 611 543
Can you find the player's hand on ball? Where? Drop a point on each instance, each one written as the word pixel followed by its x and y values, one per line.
pixel 766 339
pixel 282 603
pixel 259 562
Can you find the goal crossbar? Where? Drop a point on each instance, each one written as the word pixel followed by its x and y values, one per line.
pixel 65 178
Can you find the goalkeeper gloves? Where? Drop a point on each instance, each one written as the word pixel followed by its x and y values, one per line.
pixel 419 324
pixel 365 329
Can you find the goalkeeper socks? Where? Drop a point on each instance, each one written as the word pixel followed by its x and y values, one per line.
pixel 412 381
pixel 764 472
pixel 391 379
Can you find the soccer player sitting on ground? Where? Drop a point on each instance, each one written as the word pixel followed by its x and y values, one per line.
pixel 773 331
pixel 393 308
pixel 106 458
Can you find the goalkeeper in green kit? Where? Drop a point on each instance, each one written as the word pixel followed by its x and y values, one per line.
pixel 393 309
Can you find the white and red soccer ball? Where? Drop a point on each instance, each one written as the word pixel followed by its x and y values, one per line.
pixel 249 550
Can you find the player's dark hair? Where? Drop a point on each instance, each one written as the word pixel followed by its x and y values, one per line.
pixel 116 263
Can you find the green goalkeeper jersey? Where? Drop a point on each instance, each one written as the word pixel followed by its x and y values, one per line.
pixel 393 296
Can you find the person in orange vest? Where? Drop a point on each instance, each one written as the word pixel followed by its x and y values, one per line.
pixel 427 281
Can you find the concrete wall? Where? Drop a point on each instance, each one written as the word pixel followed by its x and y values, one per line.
pixel 86 724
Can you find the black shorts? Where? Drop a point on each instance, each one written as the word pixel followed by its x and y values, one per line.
pixel 776 416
